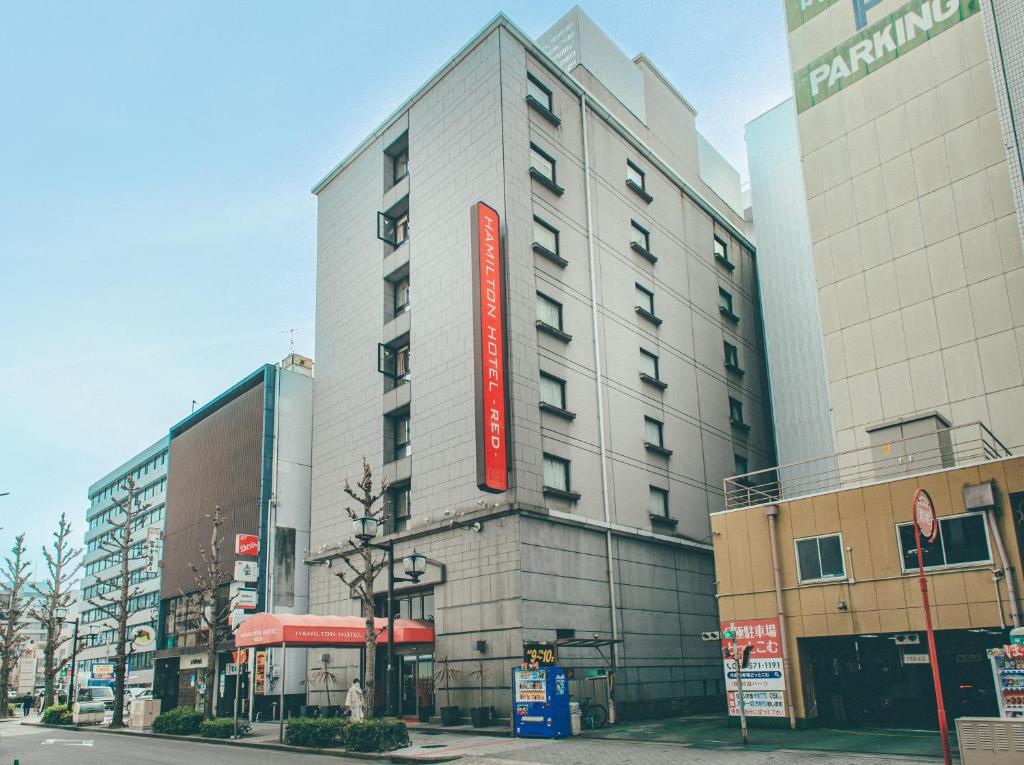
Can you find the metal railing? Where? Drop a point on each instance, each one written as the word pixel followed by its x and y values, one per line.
pixel 884 460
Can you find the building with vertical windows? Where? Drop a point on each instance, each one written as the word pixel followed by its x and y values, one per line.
pixel 96 630
pixel 574 506
pixel 248 453
pixel 909 120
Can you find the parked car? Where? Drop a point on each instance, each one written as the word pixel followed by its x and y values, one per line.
pixel 132 694
pixel 102 693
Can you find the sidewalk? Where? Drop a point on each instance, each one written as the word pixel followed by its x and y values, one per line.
pixel 714 731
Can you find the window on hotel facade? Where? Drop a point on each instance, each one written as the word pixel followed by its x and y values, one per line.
pixel 400 295
pixel 725 305
pixel 545 241
pixel 659 502
pixel 645 304
pixel 641 238
pixel 542 162
pixel 740 464
pixel 393 228
pixel 820 558
pixel 400 165
pixel 556 473
pixel 413 605
pixel 549 311
pixel 732 357
pixel 393 361
pixel 654 432
pixel 401 435
pixel 399 505
pixel 636 180
pixel 552 391
pixel 539 92
pixel 736 411
pixel 649 365
pixel 961 540
pixel 722 254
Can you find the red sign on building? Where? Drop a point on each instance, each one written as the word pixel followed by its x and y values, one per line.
pixel 489 349
pixel 247 544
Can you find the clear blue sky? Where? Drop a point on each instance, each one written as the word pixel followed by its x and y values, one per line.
pixel 157 234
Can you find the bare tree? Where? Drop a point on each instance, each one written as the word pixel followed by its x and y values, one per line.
pixel 364 565
pixel 209 578
pixel 62 567
pixel 115 591
pixel 14 576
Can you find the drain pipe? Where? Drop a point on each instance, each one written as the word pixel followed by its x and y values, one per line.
pixel 1011 587
pixel 600 404
pixel 772 512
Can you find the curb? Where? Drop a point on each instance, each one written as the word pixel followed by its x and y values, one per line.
pixel 401 759
pixel 435 729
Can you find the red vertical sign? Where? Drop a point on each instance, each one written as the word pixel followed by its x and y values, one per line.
pixel 489 335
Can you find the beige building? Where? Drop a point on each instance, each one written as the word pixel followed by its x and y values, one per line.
pixel 848 603
pixel 910 159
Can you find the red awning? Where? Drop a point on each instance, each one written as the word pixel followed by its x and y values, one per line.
pixel 315 630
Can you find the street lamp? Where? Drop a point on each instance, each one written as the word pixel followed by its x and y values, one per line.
pixel 414 565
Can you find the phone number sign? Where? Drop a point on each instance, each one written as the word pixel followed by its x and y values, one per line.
pixel 764 681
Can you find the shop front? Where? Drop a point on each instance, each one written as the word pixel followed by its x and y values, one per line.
pixel 412 643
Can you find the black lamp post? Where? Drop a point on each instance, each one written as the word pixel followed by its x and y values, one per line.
pixel 62 614
pixel 414 565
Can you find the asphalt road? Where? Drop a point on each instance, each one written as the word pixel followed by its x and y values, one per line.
pixel 48 746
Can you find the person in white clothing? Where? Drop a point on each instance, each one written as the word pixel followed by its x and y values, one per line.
pixel 355 702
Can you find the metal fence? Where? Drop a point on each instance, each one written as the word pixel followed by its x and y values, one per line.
pixel 885 459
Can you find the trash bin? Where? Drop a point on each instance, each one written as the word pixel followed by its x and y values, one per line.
pixel 575 718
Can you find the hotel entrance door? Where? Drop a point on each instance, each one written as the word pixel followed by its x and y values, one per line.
pixel 417 686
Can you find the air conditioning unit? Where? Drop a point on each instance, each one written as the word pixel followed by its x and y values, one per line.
pixel 907 638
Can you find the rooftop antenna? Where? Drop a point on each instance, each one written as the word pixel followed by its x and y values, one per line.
pixel 194 402
pixel 291 337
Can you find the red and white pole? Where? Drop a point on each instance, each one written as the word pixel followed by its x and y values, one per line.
pixel 924 513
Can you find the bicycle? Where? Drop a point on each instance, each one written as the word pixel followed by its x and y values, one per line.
pixel 592 716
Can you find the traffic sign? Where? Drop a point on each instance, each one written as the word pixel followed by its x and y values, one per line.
pixel 924 515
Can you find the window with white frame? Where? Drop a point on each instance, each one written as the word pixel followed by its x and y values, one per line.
pixel 552 390
pixel 659 502
pixel 649 364
pixel 549 311
pixel 820 558
pixel 961 540
pixel 545 235
pixel 556 473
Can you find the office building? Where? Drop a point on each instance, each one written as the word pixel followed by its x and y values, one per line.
pixel 246 452
pixel 554 440
pixel 96 631
pixel 909 124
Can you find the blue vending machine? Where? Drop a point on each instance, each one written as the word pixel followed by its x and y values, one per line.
pixel 540 702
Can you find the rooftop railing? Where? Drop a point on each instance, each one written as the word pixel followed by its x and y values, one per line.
pixel 884 460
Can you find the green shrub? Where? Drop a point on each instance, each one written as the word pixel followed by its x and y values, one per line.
pixel 10 710
pixel 58 714
pixel 315 732
pixel 393 733
pixel 363 736
pixel 182 721
pixel 223 728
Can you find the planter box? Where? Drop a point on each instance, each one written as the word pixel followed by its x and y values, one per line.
pixel 450 716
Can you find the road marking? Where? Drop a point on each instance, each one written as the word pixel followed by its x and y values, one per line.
pixel 68 742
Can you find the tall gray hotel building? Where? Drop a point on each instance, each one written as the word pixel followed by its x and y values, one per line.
pixel 630 373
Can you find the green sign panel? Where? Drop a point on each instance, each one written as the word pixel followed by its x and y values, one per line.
pixel 900 32
pixel 799 12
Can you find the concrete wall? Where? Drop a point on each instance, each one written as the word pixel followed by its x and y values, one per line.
pixel 801 407
pixel 916 239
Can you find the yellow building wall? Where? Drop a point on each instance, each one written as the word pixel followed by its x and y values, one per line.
pixel 878 595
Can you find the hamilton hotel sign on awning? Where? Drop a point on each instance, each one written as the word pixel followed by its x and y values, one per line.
pixel 875 42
